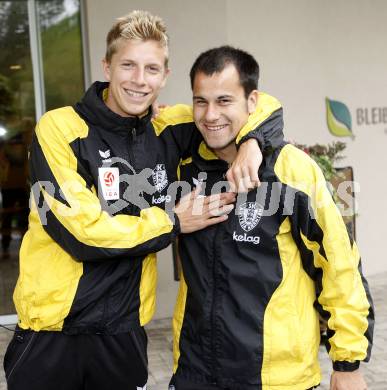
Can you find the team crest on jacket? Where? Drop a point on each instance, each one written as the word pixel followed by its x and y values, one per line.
pixel 160 178
pixel 250 214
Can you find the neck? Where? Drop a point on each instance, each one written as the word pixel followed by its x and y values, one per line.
pixel 227 153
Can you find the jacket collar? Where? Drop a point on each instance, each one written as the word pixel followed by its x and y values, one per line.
pixel 205 159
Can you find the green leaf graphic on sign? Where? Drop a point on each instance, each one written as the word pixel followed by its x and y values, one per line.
pixel 338 119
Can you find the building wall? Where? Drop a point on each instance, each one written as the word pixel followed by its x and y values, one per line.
pixel 308 50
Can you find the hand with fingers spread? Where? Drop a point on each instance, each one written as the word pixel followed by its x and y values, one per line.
pixel 195 212
pixel 243 173
pixel 347 381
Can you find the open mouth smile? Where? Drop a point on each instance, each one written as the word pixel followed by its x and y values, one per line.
pixel 135 94
pixel 215 127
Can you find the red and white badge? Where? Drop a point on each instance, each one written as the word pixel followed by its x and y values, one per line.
pixel 109 179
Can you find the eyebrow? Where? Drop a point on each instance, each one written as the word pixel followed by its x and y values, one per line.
pixel 219 97
pixel 135 62
pixel 154 64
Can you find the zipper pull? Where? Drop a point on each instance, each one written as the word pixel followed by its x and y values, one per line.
pixel 134 133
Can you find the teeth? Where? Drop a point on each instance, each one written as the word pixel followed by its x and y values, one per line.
pixel 215 128
pixel 135 94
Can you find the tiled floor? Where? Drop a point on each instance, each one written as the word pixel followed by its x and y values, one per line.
pixel 160 354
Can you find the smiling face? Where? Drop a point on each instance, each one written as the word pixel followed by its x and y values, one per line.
pixel 136 73
pixel 221 108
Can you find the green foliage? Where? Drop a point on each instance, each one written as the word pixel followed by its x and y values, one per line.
pixel 325 156
pixel 6 99
pixel 62 59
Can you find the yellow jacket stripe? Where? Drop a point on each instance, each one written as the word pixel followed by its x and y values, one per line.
pixel 343 296
pixel 79 211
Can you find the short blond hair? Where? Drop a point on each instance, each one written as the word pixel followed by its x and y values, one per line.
pixel 138 25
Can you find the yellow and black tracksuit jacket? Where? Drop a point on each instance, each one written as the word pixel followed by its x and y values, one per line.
pixel 87 262
pixel 252 288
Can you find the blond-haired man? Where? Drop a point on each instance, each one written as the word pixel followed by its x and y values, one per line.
pixel 100 173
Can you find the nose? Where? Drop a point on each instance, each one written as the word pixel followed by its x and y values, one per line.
pixel 212 113
pixel 138 76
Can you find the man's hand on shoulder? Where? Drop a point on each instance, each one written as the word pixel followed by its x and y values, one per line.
pixel 243 173
pixel 156 108
pixel 348 381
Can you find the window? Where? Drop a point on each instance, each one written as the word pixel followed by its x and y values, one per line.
pixel 41 68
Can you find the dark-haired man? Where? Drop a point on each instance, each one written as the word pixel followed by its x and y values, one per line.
pixel 252 288
pixel 100 173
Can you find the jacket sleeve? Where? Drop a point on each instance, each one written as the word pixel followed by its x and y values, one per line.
pixel 176 123
pixel 332 260
pixel 71 212
pixel 265 125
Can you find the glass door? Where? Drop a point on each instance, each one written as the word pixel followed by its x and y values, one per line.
pixel 17 119
pixel 41 68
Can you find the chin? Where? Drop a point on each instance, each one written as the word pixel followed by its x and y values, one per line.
pixel 137 110
pixel 215 146
pixel 218 144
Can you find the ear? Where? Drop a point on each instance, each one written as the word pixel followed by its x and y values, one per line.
pixel 106 69
pixel 166 74
pixel 252 101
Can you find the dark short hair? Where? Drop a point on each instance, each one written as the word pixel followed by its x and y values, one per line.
pixel 215 60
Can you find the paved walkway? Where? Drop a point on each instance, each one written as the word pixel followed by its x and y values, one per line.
pixel 160 341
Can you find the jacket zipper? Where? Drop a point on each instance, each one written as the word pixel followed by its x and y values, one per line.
pixel 131 159
pixel 213 307
pixel 131 163
pixel 216 263
pixel 131 156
